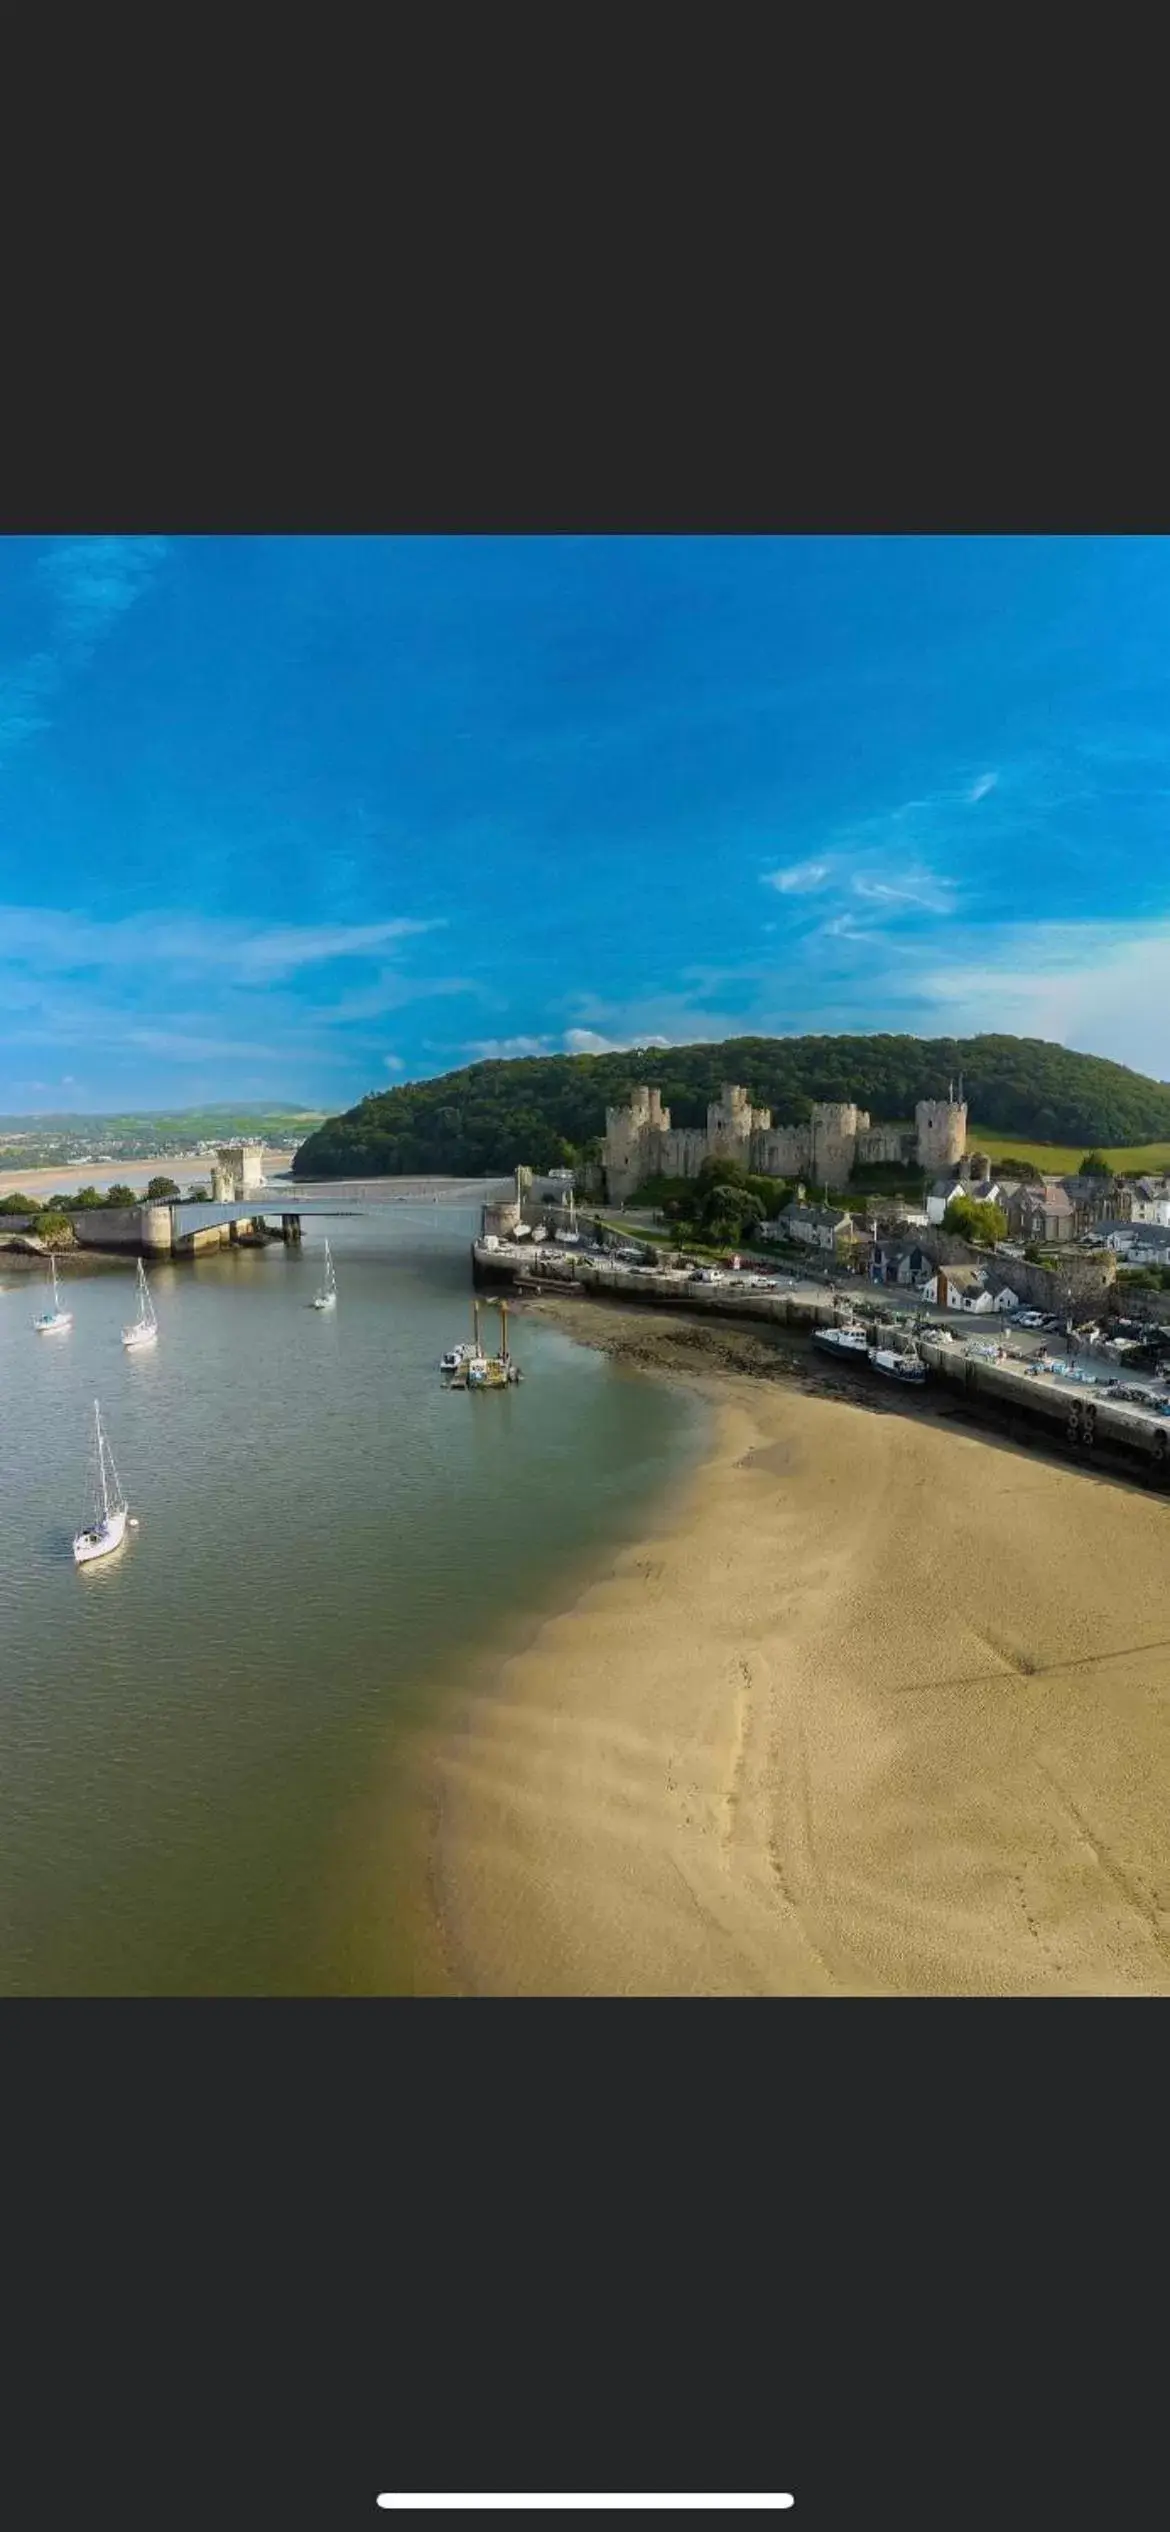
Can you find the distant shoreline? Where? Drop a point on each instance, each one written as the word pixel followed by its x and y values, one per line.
pixel 38 1182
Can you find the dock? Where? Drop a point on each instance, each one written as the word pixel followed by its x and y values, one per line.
pixel 1051 1406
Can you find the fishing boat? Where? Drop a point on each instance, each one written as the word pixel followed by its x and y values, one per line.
pixel 844 1338
pixel 906 1367
pixel 53 1322
pixel 326 1298
pixel 108 1527
pixel 144 1329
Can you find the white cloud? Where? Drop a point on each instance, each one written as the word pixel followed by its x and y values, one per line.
pixel 505 1049
pixel 980 789
pixel 393 1063
pixel 799 879
pixel 1098 987
pixel 588 1042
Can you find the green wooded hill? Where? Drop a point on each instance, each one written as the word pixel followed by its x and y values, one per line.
pixel 549 1110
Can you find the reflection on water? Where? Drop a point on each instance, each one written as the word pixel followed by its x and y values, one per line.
pixel 186 1726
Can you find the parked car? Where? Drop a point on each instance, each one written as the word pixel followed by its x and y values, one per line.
pixel 1030 1319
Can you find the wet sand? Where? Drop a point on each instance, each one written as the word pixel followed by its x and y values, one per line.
pixel 882 1707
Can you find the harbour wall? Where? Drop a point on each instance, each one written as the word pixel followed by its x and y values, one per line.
pixel 1029 1406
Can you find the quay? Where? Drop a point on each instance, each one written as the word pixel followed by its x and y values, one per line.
pixel 1032 1400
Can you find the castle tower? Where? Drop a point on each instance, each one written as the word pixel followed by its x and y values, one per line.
pixel 631 1150
pixel 941 1132
pixel 731 1122
pixel 834 1126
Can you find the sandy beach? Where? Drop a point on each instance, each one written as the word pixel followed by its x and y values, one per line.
pixel 878 1707
pixel 185 1168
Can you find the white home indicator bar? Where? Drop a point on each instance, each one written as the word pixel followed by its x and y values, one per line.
pixel 395 2504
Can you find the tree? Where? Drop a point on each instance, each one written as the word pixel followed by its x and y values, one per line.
pixel 160 1189
pixel 1032 1253
pixel 968 1220
pixel 118 1194
pixel 16 1203
pixel 1095 1165
pixel 83 1201
pixel 198 1195
pixel 54 1228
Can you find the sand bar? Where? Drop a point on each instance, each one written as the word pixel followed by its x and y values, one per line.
pixel 880 1708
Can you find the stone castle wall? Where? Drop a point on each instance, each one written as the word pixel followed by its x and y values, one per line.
pixel 641 1143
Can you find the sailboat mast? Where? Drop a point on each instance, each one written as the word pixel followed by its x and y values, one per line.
pixel 101 1452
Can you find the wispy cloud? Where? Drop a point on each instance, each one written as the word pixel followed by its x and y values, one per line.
pixel 980 789
pixel 95 579
pixel 393 1064
pixel 89 583
pixel 243 953
pixel 799 879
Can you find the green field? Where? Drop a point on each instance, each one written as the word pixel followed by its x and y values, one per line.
pixel 1059 1160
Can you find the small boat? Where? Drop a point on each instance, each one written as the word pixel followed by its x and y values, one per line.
pixel 327 1297
pixel 456 1357
pixel 108 1527
pixel 460 1362
pixel 144 1329
pixel 53 1322
pixel 495 1371
pixel 894 1366
pixel 845 1338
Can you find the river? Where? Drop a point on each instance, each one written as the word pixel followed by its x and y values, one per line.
pixel 193 1736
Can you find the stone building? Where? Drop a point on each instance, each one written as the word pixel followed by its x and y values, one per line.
pixel 238 1169
pixel 641 1142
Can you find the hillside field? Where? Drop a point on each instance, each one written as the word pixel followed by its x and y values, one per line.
pixel 1059 1160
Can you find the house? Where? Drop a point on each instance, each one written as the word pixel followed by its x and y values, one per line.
pixel 968 1288
pixel 822 1226
pixel 900 1262
pixel 1143 1243
pixel 982 1190
pixel 1151 1202
pixel 1096 1199
pixel 1044 1213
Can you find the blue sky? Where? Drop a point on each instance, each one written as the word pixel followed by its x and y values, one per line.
pixel 295 817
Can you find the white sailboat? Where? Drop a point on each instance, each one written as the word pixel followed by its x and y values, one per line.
pixel 108 1527
pixel 326 1298
pixel 144 1329
pixel 53 1322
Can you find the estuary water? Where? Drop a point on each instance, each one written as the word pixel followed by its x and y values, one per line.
pixel 188 1732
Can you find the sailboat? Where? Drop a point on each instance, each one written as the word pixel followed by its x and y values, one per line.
pixel 52 1322
pixel 144 1329
pixel 326 1298
pixel 108 1527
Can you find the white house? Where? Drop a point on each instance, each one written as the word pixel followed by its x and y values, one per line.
pixel 966 1288
pixel 1151 1202
pixel 944 1191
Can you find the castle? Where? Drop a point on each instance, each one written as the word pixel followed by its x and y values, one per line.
pixel 641 1143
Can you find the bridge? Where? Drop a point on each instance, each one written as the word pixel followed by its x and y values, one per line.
pixel 178 1227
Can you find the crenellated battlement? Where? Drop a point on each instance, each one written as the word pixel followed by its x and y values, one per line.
pixel 641 1143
